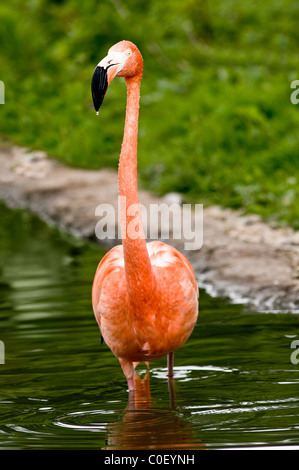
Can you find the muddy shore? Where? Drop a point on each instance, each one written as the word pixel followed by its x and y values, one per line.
pixel 241 258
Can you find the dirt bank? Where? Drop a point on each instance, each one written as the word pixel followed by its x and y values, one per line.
pixel 241 258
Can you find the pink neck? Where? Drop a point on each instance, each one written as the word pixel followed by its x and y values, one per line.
pixel 138 268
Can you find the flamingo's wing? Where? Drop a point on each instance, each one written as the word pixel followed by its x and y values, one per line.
pixel 178 307
pixel 108 267
pixel 165 255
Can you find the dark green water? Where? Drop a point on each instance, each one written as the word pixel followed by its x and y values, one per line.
pixel 234 387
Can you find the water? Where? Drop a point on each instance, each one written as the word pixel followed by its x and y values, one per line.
pixel 234 386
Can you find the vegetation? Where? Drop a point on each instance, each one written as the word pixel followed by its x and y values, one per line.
pixel 216 123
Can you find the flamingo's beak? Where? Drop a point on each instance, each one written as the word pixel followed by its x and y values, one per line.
pixel 103 74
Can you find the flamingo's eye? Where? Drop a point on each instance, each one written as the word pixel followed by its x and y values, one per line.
pixel 129 53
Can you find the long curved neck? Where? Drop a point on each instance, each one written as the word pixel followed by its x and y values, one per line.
pixel 138 270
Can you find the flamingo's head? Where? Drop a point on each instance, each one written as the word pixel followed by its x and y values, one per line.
pixel 123 60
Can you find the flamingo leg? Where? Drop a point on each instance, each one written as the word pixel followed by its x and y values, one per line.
pixel 128 370
pixel 131 384
pixel 170 361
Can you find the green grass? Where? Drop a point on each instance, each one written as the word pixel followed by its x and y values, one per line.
pixel 216 121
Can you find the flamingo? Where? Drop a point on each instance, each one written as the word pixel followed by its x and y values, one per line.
pixel 144 295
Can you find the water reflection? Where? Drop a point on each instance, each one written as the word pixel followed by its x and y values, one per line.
pixel 145 426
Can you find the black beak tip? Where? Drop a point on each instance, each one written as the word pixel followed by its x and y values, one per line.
pixel 99 84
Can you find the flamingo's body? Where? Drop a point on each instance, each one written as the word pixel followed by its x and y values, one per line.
pixel 145 295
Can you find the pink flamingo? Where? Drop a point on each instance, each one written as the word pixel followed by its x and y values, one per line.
pixel 144 295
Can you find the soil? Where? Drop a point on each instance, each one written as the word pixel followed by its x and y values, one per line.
pixel 241 258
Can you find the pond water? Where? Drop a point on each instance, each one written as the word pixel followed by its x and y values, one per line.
pixel 235 385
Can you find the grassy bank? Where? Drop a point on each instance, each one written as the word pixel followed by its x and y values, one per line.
pixel 216 123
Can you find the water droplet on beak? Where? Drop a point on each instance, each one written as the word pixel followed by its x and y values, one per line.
pixel 97 113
